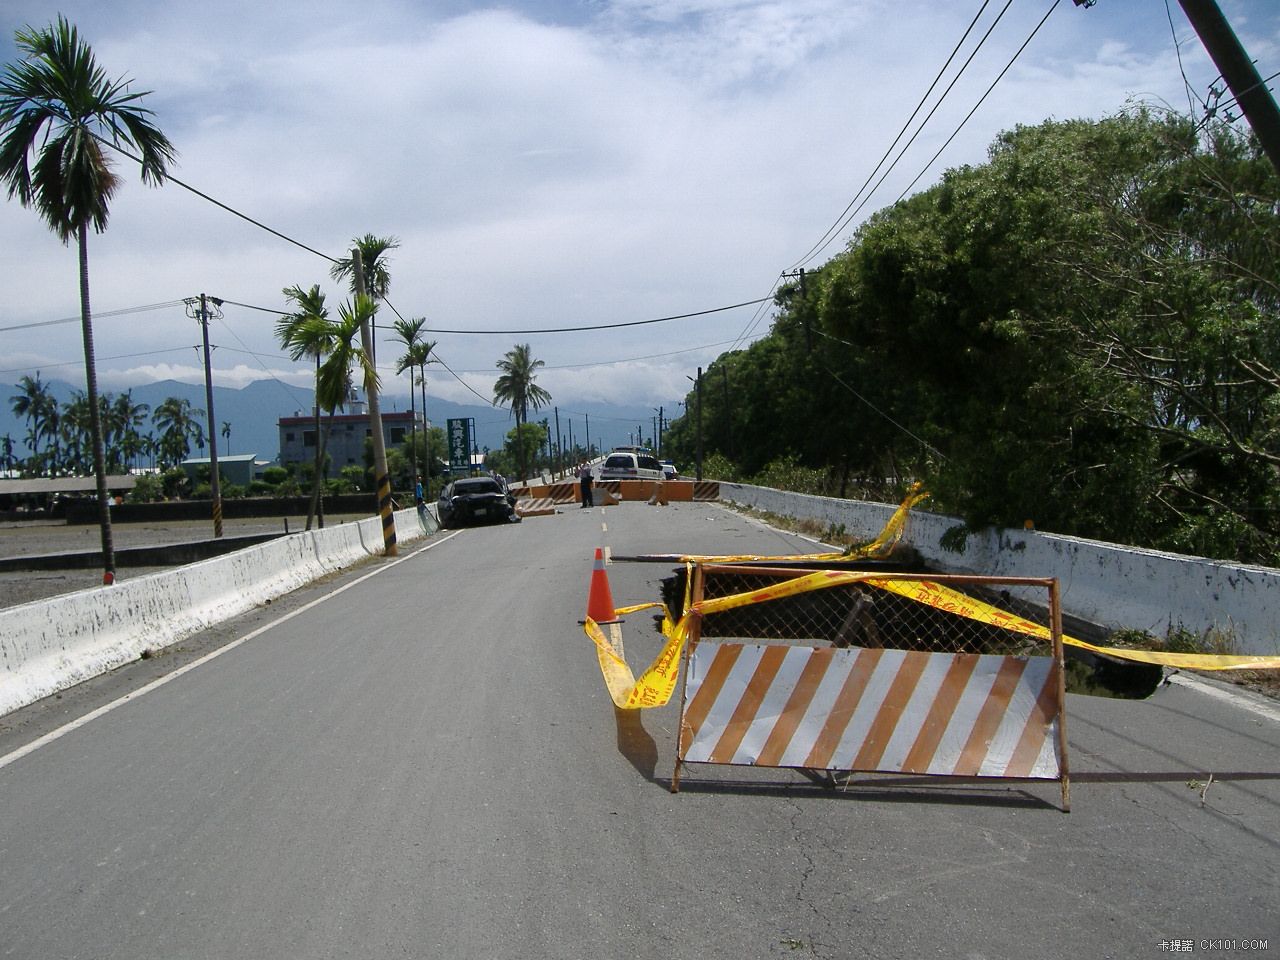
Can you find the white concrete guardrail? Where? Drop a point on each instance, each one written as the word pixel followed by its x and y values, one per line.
pixel 1113 586
pixel 49 645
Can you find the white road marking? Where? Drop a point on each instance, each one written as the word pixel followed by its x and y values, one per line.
pixel 1259 706
pixel 76 724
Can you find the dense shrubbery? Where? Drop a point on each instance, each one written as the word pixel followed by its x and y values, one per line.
pixel 1081 332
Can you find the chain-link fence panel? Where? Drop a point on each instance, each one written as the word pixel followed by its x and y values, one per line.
pixel 867 613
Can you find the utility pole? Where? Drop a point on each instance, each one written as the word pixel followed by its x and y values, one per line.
pixel 803 311
pixel 215 483
pixel 1238 70
pixel 559 442
pixel 1231 59
pixel 587 417
pixel 699 423
pixel 381 480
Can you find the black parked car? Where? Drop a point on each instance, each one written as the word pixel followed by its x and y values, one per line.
pixel 475 500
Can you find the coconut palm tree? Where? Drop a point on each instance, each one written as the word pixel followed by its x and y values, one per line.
pixel 179 426
pixel 307 332
pixel 516 388
pixel 58 108
pixel 37 403
pixel 130 418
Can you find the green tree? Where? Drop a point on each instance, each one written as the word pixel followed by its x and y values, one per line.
pixel 346 358
pixel 307 332
pixel 179 426
pixel 416 357
pixel 518 389
pixel 35 401
pixel 373 281
pixel 125 420
pixel 58 107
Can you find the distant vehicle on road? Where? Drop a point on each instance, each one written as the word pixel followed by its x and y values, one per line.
pixel 669 469
pixel 631 466
pixel 476 500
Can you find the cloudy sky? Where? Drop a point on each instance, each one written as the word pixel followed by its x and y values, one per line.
pixel 563 163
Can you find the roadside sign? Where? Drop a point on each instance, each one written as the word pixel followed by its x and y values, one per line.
pixel 461 430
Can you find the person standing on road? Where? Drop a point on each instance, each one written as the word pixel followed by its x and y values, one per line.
pixel 418 498
pixel 584 481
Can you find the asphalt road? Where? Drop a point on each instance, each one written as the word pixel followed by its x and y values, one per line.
pixel 419 759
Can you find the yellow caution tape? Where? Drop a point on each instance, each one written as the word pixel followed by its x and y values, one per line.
pixel 943 598
pixel 654 687
pixel 881 545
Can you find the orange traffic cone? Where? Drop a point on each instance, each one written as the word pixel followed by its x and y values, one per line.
pixel 599 598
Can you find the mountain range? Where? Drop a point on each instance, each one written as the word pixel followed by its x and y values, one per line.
pixel 254 410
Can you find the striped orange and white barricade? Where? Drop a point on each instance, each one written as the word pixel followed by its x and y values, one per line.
pixel 563 491
pixel 535 507
pixel 876 708
pixel 706 490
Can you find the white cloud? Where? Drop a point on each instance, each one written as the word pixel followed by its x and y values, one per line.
pixel 545 166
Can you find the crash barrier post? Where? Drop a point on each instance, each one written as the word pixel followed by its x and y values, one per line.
pixel 868 674
pixel 681 491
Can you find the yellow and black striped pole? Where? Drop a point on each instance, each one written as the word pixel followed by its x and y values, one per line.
pixel 388 518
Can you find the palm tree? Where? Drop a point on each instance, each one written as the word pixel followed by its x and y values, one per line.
pixel 114 411
pixel 179 425
pixel 370 279
pixel 335 381
pixel 58 107
pixel 415 358
pixel 130 418
pixel 373 261
pixel 37 403
pixel 516 388
pixel 307 332
pixel 75 430
pixel 377 278
pixel 226 434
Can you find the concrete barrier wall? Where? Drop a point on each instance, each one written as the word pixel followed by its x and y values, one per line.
pixel 1114 586
pixel 52 644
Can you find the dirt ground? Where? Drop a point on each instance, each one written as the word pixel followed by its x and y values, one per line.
pixel 39 537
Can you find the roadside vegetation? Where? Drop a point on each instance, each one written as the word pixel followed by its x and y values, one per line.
pixel 1083 332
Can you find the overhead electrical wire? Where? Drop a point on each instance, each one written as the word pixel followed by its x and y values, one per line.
pixel 835 228
pixel 982 98
pixel 849 216
pixel 218 203
pixel 598 326
pixel 106 313
pixel 119 356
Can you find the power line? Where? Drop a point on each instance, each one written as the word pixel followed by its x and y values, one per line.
pixel 124 311
pixel 119 356
pixel 982 98
pixel 600 326
pixel 218 203
pixel 835 228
